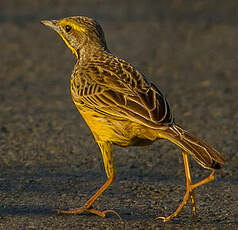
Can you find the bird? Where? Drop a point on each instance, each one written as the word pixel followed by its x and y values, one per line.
pixel 121 107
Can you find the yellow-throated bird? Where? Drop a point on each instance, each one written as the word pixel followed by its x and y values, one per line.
pixel 122 108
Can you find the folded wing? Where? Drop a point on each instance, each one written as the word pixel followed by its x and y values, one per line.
pixel 118 90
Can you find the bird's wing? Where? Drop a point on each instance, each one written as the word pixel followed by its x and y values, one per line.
pixel 117 89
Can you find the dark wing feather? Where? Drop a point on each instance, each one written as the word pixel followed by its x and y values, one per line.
pixel 117 89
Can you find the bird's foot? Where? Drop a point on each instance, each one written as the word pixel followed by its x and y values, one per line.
pixel 188 194
pixel 189 191
pixel 78 211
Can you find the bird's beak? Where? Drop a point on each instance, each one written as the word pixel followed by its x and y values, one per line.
pixel 52 24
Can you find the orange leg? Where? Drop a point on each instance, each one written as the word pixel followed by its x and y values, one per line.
pixel 189 190
pixel 106 149
pixel 189 182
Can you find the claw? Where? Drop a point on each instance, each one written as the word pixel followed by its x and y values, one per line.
pixel 162 217
pixel 112 211
pixel 78 211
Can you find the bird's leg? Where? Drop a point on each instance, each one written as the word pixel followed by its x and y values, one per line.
pixel 106 149
pixel 189 182
pixel 189 190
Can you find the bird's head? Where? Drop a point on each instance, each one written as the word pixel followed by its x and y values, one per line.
pixel 78 32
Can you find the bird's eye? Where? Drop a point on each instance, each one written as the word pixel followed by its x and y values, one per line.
pixel 67 28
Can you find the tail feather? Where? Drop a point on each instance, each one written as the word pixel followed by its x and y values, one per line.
pixel 204 154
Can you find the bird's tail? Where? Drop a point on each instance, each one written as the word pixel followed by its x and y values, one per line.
pixel 204 154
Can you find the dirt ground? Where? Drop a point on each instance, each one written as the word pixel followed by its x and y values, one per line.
pixel 48 158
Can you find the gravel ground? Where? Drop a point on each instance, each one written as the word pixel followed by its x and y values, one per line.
pixel 48 158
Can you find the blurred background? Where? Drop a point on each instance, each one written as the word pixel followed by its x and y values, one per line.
pixel 48 157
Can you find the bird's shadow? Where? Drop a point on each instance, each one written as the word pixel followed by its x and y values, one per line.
pixel 26 210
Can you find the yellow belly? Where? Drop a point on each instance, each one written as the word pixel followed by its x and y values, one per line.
pixel 121 132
